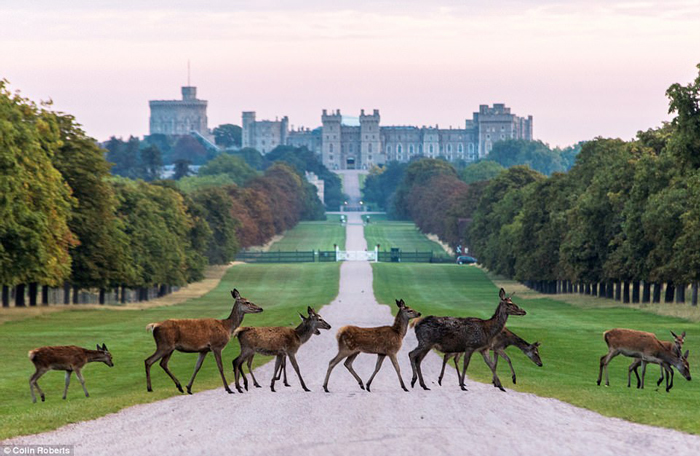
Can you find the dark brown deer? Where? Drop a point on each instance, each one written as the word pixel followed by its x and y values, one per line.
pixel 644 346
pixel 279 341
pixel 383 341
pixel 677 340
pixel 66 358
pixel 202 335
pixel 498 348
pixel 467 335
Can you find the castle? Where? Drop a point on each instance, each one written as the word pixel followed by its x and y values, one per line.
pixel 180 117
pixel 360 143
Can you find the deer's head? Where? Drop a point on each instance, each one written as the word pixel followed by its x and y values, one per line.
pixel 510 307
pixel 678 340
pixel 243 304
pixel 532 351
pixel 315 320
pixel 681 362
pixel 105 356
pixel 407 311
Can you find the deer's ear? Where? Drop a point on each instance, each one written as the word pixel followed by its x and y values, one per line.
pixel 104 347
pixel 683 335
pixel 400 303
pixel 98 347
pixel 536 344
pixel 687 352
pixel 310 311
pixel 235 294
pixel 502 293
pixel 303 318
pixel 674 335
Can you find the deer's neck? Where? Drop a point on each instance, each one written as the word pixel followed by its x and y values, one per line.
pixel 518 342
pixel 235 319
pixel 93 355
pixel 304 331
pixel 495 324
pixel 400 323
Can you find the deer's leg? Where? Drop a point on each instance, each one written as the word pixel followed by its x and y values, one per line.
pixel 65 390
pixel 496 381
pixel 395 362
pixel 217 357
pixel 661 379
pixel 446 357
pixel 669 371
pixel 278 364
pixel 79 374
pixel 334 362
pixel 33 383
pixel 245 354
pixel 148 363
pixel 502 354
pixel 380 360
pixel 348 364
pixel 416 356
pixel 197 366
pixel 644 373
pixel 465 365
pixel 293 360
pixel 250 370
pixel 633 368
pixel 164 365
pixel 284 372
pixel 456 360
pixel 604 360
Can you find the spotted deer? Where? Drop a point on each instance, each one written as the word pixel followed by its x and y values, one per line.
pixel 505 339
pixel 282 342
pixel 464 335
pixel 66 358
pixel 677 340
pixel 646 347
pixel 201 335
pixel 382 341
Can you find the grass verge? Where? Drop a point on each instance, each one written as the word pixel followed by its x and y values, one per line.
pixel 313 236
pixel 402 235
pixel 571 337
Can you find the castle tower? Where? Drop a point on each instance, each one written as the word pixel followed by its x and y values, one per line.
pixel 370 141
pixel 331 140
pixel 179 117
pixel 248 127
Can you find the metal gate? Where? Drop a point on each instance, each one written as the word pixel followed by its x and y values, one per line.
pixel 356 255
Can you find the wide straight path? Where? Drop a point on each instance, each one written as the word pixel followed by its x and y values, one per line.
pixel 446 420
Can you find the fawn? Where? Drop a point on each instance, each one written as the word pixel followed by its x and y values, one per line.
pixel 66 358
pixel 200 335
pixel 281 342
pixel 453 334
pixel 644 346
pixel 383 341
pixel 505 339
pixel 677 340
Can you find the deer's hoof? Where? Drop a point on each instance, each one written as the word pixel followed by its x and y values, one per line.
pixel 258 386
pixel 598 382
pixel 439 382
pixel 179 387
pixel 307 390
pixel 464 388
pixel 362 386
pixel 43 399
pixel 514 381
pixel 413 382
pixel 502 389
pixel 229 391
pixel 326 389
pixel 189 390
pixel 405 389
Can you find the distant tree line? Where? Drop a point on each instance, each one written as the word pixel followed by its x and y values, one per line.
pixel 66 222
pixel 623 223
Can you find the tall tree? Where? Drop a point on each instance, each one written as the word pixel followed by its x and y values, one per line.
pixel 228 135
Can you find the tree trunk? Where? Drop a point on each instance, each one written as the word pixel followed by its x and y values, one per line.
pixel 45 295
pixel 19 296
pixel 594 289
pixel 33 293
pixel 695 294
pixel 635 291
pixel 680 294
pixel 66 293
pixel 610 290
pixel 76 295
pixel 5 296
pixel 601 290
pixel 162 291
pixel 102 296
pixel 670 291
pixel 618 291
pixel 646 293
pixel 657 293
pixel 588 289
pixel 626 292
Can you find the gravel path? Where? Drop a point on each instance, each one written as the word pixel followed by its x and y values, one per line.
pixel 482 421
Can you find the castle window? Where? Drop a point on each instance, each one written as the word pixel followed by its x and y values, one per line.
pixel 369 147
pixel 410 149
pixel 471 148
pixel 399 150
pixel 388 149
pixel 460 149
pixel 431 149
pixel 330 148
pixel 449 148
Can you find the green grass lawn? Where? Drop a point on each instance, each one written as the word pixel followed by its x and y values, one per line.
pixel 572 343
pixel 282 290
pixel 402 235
pixel 313 236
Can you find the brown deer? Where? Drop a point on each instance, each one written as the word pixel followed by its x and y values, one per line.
pixel 279 341
pixel 467 335
pixel 677 340
pixel 201 335
pixel 505 339
pixel 66 358
pixel 645 346
pixel 383 341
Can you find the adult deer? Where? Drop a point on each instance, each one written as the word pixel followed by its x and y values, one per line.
pixel 66 358
pixel 201 335
pixel 467 335
pixel 383 341
pixel 505 339
pixel 279 341
pixel 677 340
pixel 644 346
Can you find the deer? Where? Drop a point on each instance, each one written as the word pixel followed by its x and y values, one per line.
pixel 281 342
pixel 66 358
pixel 465 335
pixel 677 340
pixel 644 346
pixel 201 335
pixel 383 341
pixel 505 339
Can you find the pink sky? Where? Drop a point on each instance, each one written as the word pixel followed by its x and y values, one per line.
pixel 581 68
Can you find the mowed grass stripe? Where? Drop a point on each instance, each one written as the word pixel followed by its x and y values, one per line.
pixel 402 235
pixel 313 236
pixel 572 344
pixel 282 290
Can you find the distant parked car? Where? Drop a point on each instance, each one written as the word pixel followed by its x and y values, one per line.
pixel 466 259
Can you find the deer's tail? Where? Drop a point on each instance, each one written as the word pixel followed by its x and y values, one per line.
pixel 152 326
pixel 415 321
pixel 31 354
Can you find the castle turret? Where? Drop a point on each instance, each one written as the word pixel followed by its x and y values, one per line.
pixel 331 139
pixel 248 127
pixel 370 140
